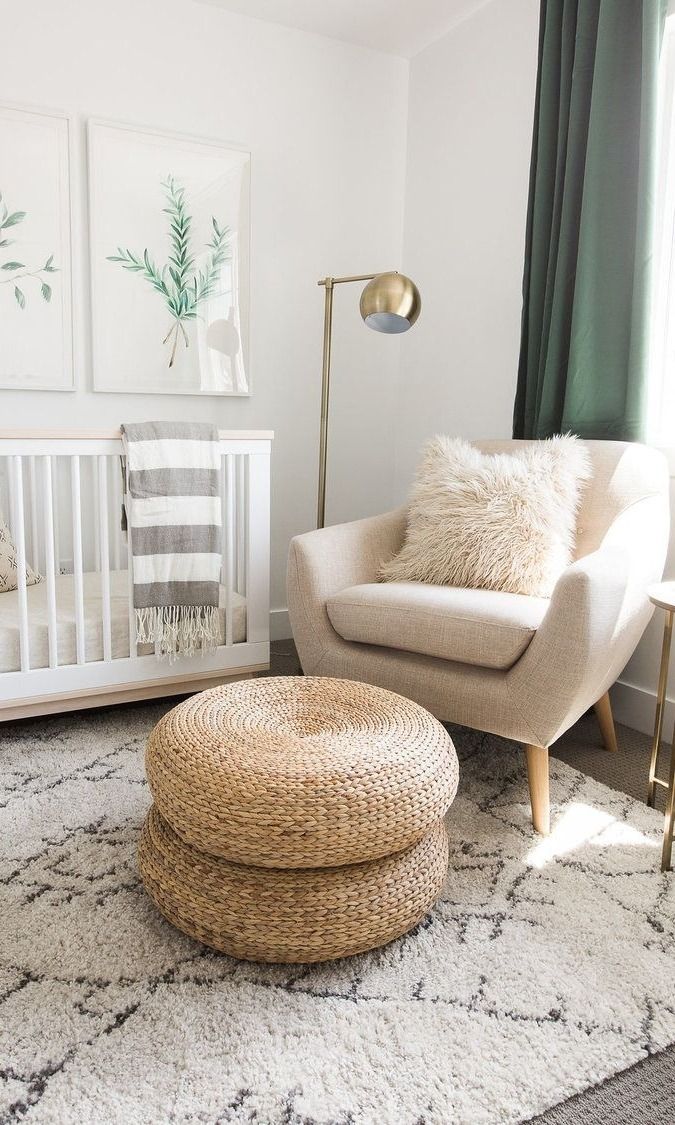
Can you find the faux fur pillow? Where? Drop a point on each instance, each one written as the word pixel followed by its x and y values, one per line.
pixel 493 521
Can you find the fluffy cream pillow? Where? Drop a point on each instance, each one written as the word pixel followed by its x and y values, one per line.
pixel 493 521
pixel 9 565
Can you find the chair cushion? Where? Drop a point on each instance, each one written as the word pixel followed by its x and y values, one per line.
pixel 488 628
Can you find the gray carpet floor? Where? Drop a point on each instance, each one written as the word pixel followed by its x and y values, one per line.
pixel 645 1093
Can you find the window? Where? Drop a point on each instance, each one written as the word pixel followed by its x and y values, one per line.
pixel 661 415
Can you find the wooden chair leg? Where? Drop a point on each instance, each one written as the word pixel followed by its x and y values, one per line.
pixel 603 710
pixel 537 779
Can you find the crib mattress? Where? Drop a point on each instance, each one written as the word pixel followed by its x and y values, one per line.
pixel 93 624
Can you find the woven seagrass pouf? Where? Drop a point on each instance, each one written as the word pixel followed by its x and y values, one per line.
pixel 297 819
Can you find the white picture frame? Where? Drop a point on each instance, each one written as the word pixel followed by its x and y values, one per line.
pixel 36 297
pixel 169 220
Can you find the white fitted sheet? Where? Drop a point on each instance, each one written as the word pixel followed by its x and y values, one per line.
pixel 93 622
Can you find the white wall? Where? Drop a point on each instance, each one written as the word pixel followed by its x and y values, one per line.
pixel 325 123
pixel 470 132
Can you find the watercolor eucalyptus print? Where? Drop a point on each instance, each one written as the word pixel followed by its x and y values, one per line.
pixel 182 287
pixel 12 272
pixel 36 333
pixel 169 220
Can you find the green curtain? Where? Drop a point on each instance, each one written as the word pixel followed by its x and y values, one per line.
pixel 583 349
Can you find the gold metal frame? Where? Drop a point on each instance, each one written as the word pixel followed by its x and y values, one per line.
pixel 328 283
pixel 666 855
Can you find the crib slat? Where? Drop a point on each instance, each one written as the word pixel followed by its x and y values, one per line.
pixel 227 488
pixel 133 643
pixel 18 523
pixel 104 552
pixel 34 540
pixel 115 502
pixel 48 520
pixel 4 488
pixel 257 543
pixel 57 521
pixel 242 461
pixel 78 581
pixel 96 489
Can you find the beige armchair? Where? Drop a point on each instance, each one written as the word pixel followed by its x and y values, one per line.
pixel 520 667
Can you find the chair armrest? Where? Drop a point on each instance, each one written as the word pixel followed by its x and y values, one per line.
pixel 323 562
pixel 598 612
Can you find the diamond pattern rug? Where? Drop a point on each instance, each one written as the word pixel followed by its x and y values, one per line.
pixel 541 972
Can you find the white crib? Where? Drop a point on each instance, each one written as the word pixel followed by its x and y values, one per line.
pixel 69 641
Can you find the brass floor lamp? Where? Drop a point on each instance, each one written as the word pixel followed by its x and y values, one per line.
pixel 389 303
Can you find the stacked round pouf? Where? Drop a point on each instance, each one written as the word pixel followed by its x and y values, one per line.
pixel 297 819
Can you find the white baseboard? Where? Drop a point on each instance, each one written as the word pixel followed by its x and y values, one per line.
pixel 635 707
pixel 280 626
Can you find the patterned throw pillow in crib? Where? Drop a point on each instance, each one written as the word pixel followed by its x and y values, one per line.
pixel 9 564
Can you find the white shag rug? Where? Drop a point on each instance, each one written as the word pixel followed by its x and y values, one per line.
pixel 543 970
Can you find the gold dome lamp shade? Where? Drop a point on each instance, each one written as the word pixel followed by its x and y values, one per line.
pixel 390 303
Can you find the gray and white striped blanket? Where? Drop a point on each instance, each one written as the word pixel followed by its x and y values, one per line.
pixel 173 515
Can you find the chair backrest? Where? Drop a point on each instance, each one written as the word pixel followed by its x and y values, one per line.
pixel 623 473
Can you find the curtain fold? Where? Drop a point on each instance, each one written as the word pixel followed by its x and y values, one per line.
pixel 586 281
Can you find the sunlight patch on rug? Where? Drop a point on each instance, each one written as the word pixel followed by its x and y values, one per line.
pixel 580 825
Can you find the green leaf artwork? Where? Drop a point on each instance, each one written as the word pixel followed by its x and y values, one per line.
pixel 182 287
pixel 18 270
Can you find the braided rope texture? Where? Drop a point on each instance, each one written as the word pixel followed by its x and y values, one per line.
pixel 313 914
pixel 301 771
pixel 297 819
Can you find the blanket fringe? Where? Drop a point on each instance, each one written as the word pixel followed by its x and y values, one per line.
pixel 179 630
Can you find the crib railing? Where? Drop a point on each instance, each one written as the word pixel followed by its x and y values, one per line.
pixel 62 496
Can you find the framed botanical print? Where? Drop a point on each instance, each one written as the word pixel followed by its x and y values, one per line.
pixel 36 332
pixel 169 232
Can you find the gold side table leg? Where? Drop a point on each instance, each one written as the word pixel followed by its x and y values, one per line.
pixel 666 854
pixel 660 705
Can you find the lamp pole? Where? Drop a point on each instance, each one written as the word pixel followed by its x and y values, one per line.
pixel 390 303
pixel 325 389
pixel 328 284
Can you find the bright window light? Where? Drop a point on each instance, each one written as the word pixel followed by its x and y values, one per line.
pixel 661 409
